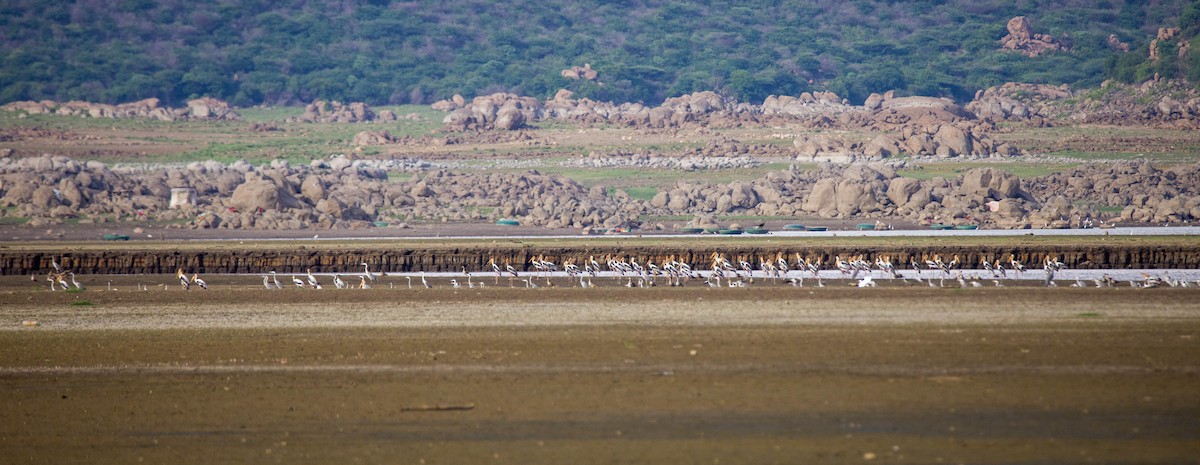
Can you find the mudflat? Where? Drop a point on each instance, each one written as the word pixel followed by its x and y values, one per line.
pixel 768 374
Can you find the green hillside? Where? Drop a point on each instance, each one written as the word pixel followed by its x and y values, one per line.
pixel 390 52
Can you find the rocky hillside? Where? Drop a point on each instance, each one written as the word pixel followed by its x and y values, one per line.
pixel 386 52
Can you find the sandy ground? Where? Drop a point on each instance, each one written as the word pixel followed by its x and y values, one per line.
pixel 610 375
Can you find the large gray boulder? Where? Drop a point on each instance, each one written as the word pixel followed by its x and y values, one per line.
pixel 510 118
pixel 952 141
pixel 261 195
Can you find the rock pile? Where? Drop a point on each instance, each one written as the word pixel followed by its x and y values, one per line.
pixel 1148 194
pixel 1165 103
pixel 1166 34
pixel 947 140
pixel 342 193
pixel 581 72
pixel 1014 101
pixel 1117 44
pixel 807 104
pixel 201 109
pixel 509 112
pixel 322 111
pixel 347 193
pixel 1022 39
pixel 501 111
pixel 890 113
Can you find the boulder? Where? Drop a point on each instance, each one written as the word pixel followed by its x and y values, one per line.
pixel 900 190
pixel 882 145
pixel 951 141
pixel 313 189
pixel 509 118
pixel 261 195
pixel 823 197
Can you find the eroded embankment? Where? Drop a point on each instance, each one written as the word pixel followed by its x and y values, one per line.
pixel 407 257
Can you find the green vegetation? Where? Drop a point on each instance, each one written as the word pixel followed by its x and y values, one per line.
pixel 17 220
pixel 390 52
pixel 1138 67
pixel 81 303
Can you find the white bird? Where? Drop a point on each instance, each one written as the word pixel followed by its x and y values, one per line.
pixel 312 280
pixel 78 285
pixel 866 281
pixel 363 284
pixel 297 282
pixel 183 279
pixel 267 283
pixel 61 279
pixel 199 282
pixel 454 283
pixel 367 272
pixel 338 283
pixel 275 280
pixel 55 264
pixel 424 282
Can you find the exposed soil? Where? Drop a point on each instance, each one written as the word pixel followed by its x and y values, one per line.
pixel 778 375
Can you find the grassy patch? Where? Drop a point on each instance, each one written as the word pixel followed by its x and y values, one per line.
pixel 14 220
pixel 642 193
pixel 82 303
pixel 1186 154
pixel 1089 315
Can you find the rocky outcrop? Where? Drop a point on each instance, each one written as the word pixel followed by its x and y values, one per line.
pixel 807 104
pixel 500 111
pixel 581 72
pixel 373 138
pixel 349 193
pixel 948 140
pixel 322 111
pixel 342 193
pixel 1116 44
pixel 1021 38
pixel 201 109
pixel 1165 34
pixel 1173 104
pixel 1146 192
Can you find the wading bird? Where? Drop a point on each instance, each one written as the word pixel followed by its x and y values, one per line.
pixel 77 284
pixel 367 272
pixel 183 279
pixel 312 280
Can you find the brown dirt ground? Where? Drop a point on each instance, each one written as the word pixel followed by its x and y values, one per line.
pixel 614 375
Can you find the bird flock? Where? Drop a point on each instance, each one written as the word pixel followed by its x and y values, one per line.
pixel 720 271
